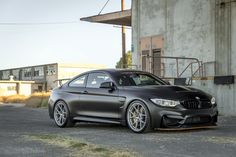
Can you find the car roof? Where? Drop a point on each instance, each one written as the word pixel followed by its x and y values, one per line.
pixel 110 71
pixel 114 70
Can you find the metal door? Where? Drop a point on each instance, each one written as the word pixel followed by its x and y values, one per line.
pixel 156 62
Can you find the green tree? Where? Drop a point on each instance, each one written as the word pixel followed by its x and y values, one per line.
pixel 128 56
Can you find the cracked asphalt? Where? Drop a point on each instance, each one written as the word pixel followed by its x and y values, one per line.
pixel 17 121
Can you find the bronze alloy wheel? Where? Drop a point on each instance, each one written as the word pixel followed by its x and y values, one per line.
pixel 138 118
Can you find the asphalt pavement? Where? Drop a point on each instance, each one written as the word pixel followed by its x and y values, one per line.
pixel 17 121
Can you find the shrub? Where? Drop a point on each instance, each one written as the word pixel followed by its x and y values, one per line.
pixel 37 100
pixel 13 99
pixel 1 100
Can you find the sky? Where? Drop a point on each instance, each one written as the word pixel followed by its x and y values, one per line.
pixel 75 42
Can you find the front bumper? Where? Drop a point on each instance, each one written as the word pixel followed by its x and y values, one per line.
pixel 179 117
pixel 191 120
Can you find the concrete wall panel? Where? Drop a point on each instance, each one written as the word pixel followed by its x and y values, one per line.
pixel 204 29
pixel 233 38
pixel 225 95
pixel 190 29
pixel 223 37
pixel 152 17
pixel 187 27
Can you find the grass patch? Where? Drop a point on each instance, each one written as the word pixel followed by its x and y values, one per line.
pixel 78 148
pixel 37 100
pixel 99 150
pixel 13 99
pixel 1 100
pixel 77 145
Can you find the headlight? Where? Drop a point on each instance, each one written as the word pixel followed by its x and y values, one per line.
pixel 165 102
pixel 213 101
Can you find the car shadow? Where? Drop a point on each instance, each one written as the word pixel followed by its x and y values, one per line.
pixel 117 127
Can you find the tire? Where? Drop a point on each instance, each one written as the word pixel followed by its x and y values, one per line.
pixel 138 117
pixel 61 115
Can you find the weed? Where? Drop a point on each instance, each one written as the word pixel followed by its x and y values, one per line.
pixel 78 148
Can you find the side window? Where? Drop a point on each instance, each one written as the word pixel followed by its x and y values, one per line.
pixel 78 82
pixel 95 80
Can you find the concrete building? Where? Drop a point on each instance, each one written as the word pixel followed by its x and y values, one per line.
pixel 47 76
pixel 202 30
pixel 185 40
pixel 12 87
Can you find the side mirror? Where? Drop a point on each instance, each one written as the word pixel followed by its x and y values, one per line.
pixel 108 85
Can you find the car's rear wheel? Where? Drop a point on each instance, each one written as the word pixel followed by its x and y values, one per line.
pixel 61 115
pixel 138 117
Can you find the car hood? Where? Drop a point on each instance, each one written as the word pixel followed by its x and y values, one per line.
pixel 169 92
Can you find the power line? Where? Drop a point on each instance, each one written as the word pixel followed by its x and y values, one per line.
pixel 103 7
pixel 37 23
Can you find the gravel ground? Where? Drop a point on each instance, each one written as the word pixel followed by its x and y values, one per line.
pixel 17 121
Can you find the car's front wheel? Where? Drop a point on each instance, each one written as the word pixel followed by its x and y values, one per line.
pixel 61 115
pixel 138 117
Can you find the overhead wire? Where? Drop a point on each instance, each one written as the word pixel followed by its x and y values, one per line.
pixel 103 7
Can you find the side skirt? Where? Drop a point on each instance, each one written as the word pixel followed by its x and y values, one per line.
pixel 95 119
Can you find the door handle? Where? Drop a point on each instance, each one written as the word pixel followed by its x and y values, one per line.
pixel 84 92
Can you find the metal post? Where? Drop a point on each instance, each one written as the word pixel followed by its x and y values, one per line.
pixel 191 69
pixel 177 67
pixel 124 64
pixel 199 66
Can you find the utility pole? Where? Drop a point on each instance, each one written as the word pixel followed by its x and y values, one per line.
pixel 124 64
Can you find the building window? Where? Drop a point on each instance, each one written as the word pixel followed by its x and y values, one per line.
pixel 40 88
pixel 51 70
pixel 15 73
pixel 38 71
pixel 5 75
pixel 27 72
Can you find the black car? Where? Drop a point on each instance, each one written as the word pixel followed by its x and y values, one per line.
pixel 138 99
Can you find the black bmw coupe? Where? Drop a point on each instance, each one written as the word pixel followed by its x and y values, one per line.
pixel 138 99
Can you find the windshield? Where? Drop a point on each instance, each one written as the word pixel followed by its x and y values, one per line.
pixel 138 79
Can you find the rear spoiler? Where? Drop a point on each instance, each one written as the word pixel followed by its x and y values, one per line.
pixel 60 81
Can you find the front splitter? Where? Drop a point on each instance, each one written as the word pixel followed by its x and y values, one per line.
pixel 187 128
